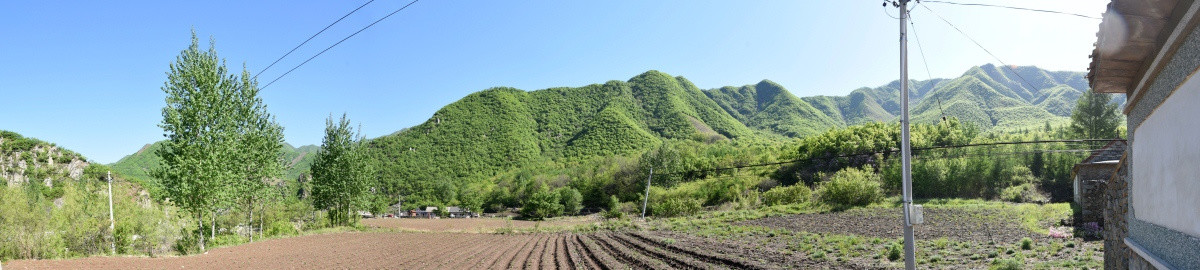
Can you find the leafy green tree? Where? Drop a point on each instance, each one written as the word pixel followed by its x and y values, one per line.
pixel 572 200
pixel 542 205
pixel 221 142
pixel 1095 117
pixel 340 172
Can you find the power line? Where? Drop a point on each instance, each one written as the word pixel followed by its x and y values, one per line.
pixel 339 42
pixel 1016 8
pixel 310 39
pixel 960 31
pixel 921 49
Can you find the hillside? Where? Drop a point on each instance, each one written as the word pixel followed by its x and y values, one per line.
pixel 500 129
pixel 137 166
pixel 24 160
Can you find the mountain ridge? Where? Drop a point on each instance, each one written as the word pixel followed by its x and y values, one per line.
pixel 495 130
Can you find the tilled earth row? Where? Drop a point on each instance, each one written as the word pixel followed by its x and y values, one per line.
pixel 981 225
pixel 389 250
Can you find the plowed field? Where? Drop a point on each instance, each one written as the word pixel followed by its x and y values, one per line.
pixel 469 225
pixel 389 250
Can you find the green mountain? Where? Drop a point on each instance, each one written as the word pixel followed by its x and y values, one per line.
pixel 137 166
pixel 499 130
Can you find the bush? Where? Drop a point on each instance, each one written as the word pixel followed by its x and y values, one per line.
pixel 851 187
pixel 1006 264
pixel 1024 193
pixel 1026 243
pixel 893 252
pixel 572 201
pixel 281 227
pixel 542 205
pixel 676 206
pixel 798 193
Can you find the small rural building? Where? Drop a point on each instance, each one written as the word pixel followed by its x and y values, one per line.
pixel 418 213
pixel 1149 51
pixel 1090 180
pixel 459 212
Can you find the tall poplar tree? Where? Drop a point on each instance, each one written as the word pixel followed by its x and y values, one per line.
pixel 340 172
pixel 222 144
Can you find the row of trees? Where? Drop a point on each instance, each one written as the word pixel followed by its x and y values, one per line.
pixel 224 149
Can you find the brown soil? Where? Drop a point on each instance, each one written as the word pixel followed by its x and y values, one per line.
pixel 472 225
pixel 981 225
pixel 391 250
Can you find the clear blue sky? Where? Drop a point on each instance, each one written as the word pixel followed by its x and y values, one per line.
pixel 87 74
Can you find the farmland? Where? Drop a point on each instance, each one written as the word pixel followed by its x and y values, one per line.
pixel 957 234
pixel 603 250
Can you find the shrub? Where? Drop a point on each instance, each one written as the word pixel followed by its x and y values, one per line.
pixel 542 205
pixel 572 201
pixel 1006 264
pixel 281 227
pixel 798 193
pixel 1026 243
pixel 893 252
pixel 851 187
pixel 1024 193
pixel 676 206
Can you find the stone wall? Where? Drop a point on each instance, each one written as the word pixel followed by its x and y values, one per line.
pixel 1116 197
pixel 1094 194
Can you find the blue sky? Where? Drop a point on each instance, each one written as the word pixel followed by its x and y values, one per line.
pixel 87 75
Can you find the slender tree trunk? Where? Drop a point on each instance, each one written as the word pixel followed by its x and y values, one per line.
pixel 200 229
pixel 214 225
pixel 250 224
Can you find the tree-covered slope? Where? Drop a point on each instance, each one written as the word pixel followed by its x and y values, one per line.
pixel 768 106
pixel 137 166
pixel 500 129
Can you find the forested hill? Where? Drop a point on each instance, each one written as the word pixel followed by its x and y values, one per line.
pixel 990 96
pixel 137 166
pixel 499 129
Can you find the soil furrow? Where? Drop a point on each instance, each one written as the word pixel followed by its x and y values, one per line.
pixel 476 252
pixel 677 260
pixel 631 257
pixel 705 256
pixel 603 259
pixel 487 258
pixel 561 257
pixel 519 258
pixel 533 261
pixel 579 259
pixel 432 255
pixel 503 260
pixel 548 258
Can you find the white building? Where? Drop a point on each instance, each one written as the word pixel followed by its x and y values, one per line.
pixel 1149 50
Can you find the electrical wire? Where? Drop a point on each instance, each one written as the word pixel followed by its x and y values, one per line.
pixel 928 74
pixel 310 39
pixel 1016 8
pixel 989 52
pixel 339 42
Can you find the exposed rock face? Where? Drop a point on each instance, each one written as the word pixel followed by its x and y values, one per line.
pixel 16 166
pixel 75 168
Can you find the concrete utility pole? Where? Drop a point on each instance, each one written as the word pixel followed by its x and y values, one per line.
pixel 112 223
pixel 905 145
pixel 646 199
